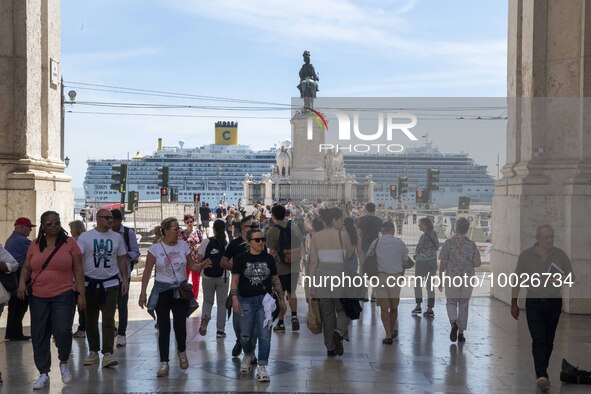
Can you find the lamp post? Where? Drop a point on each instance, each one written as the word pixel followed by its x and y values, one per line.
pixel 67 161
pixel 72 96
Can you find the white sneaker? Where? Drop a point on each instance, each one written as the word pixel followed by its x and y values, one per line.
pixel 109 360
pixel 41 382
pixel 543 384
pixel 66 374
pixel 92 358
pixel 121 341
pixel 245 365
pixel 262 375
pixel 163 371
pixel 183 360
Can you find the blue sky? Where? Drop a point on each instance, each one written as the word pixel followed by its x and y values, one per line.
pixel 252 50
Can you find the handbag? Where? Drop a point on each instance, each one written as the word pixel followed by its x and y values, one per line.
pixel 186 290
pixel 408 263
pixel 314 322
pixel 9 281
pixel 371 261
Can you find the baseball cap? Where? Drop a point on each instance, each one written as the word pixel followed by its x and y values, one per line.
pixel 24 222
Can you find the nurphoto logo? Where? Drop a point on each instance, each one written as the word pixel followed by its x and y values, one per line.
pixel 350 137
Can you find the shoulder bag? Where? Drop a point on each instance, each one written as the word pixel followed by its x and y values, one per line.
pixel 370 267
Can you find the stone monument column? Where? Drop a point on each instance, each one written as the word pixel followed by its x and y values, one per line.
pixel 32 178
pixel 547 178
pixel 307 157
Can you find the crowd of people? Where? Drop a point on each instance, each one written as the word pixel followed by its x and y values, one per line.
pixel 251 263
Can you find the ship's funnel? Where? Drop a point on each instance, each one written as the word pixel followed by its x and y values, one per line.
pixel 226 133
pixel 159 144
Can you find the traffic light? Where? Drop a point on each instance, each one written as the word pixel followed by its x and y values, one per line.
pixel 119 178
pixel 132 200
pixel 432 179
pixel 402 185
pixel 164 194
pixel 419 196
pixel 393 191
pixel 174 194
pixel 196 197
pixel 464 204
pixel 163 177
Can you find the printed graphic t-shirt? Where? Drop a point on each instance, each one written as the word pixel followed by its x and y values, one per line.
pixel 100 252
pixel 171 261
pixel 255 273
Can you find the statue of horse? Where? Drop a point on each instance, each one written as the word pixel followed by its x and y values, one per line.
pixel 308 88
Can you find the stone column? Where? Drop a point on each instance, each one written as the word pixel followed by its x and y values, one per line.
pixel 307 158
pixel 32 178
pixel 547 178
pixel 268 192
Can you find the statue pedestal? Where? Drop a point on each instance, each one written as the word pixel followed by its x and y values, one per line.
pixel 307 157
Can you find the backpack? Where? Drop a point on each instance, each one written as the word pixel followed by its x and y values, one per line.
pixel 216 270
pixel 288 249
pixel 126 238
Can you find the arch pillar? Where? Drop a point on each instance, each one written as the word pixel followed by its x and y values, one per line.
pixel 547 177
pixel 32 177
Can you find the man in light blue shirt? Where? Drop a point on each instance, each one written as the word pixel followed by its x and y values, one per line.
pixel 391 253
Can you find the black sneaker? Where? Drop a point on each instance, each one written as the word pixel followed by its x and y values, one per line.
pixel 461 338
pixel 279 327
pixel 295 324
pixel 416 312
pixel 338 343
pixel 429 314
pixel 453 335
pixel 237 349
pixel 331 353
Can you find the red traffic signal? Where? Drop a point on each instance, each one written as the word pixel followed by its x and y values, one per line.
pixel 197 197
pixel 163 191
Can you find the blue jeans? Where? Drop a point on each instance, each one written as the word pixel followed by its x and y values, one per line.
pixel 122 302
pixel 252 317
pixel 51 316
pixel 542 319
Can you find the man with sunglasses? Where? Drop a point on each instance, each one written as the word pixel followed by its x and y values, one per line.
pixel 235 248
pixel 104 254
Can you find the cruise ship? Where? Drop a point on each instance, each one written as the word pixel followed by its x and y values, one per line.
pixel 217 171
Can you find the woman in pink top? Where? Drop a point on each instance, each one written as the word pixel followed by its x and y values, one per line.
pixel 53 261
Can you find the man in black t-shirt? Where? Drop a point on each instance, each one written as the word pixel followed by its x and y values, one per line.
pixel 204 215
pixel 368 228
pixel 235 248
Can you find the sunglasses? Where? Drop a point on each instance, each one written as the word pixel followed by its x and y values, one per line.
pixel 189 222
pixel 56 223
pixel 257 240
pixel 105 217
